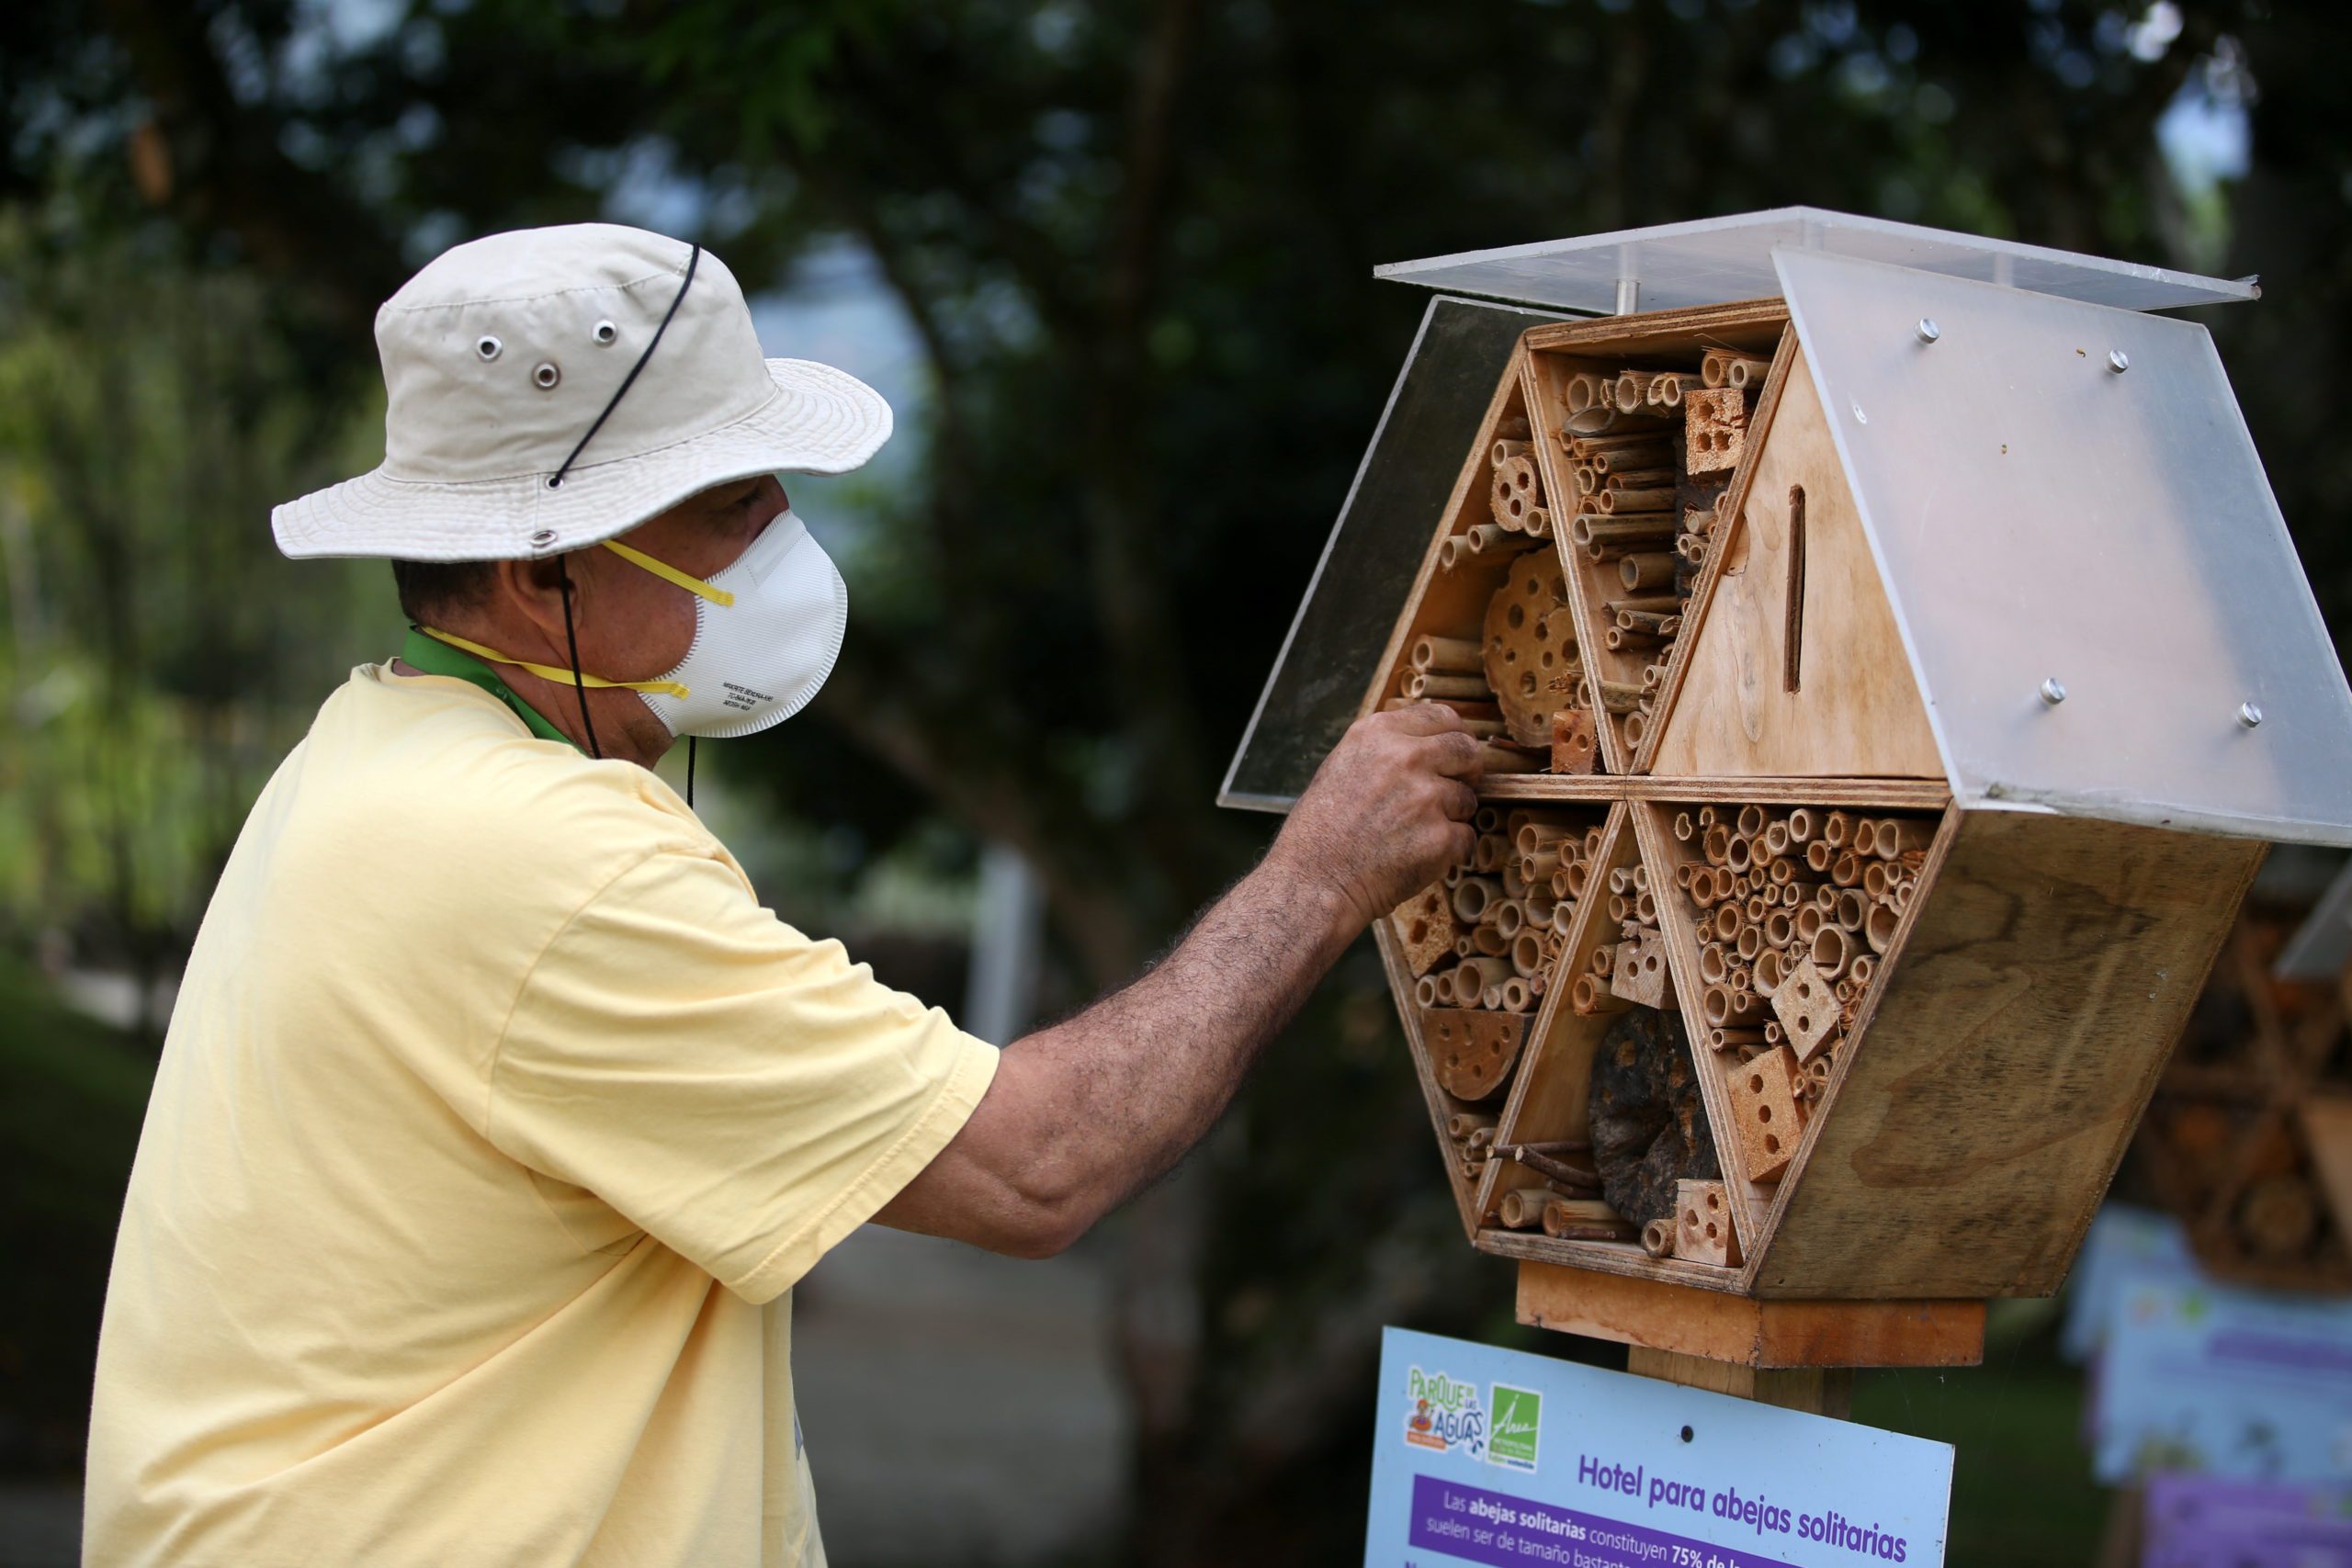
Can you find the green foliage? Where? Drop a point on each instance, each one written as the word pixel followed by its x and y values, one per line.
pixel 69 1122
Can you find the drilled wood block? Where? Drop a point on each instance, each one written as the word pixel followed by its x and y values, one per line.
pixel 1704 1232
pixel 1764 1105
pixel 1471 1049
pixel 1575 746
pixel 1716 428
pixel 1807 1009
pixel 1639 974
pixel 1426 927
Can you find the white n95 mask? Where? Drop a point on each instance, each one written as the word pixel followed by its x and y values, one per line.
pixel 767 630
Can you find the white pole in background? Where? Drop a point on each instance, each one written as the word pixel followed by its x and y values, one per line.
pixel 1007 931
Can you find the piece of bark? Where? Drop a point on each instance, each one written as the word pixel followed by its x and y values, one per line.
pixel 1648 1128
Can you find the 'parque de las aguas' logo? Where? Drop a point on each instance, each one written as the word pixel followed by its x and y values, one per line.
pixel 1444 1413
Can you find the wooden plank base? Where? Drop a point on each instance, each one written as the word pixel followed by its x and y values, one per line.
pixel 1821 1391
pixel 1747 1331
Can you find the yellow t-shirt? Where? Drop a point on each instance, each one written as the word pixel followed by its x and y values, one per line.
pixel 495 1120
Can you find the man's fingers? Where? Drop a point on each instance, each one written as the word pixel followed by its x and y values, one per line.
pixel 1426 718
pixel 1457 754
pixel 1460 801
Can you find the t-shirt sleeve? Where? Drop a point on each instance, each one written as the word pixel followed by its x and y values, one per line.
pixel 746 1094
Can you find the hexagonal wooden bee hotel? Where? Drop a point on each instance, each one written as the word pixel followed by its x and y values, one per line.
pixel 1891 686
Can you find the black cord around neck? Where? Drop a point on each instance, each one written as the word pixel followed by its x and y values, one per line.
pixel 555 481
pixel 572 641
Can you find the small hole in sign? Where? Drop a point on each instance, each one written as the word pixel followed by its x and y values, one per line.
pixel 1686 1434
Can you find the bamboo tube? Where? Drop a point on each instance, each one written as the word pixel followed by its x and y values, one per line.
pixel 1593 531
pixel 1779 929
pixel 1604 962
pixel 1473 895
pixel 1563 914
pixel 1847 870
pixel 1505 449
pixel 1452 552
pixel 1615 443
pixel 1619 476
pixel 1860 970
pixel 1422 683
pixel 1878 929
pixel 1852 910
pixel 1714 965
pixel 1802 826
pixel 1486 820
pixel 1896 835
pixel 1836 829
pixel 1515 997
pixel 1447 655
pixel 1426 994
pixel 1692 548
pixel 1616 503
pixel 1479 1137
pixel 1751 943
pixel 1666 391
pixel 1487 538
pixel 1582 392
pixel 1487 942
pixel 1521 1207
pixel 1819 856
pixel 1506 918
pixel 1657 1239
pixel 1752 820
pixel 1487 852
pixel 1617 639
pixel 1527 953
pixel 1874 884
pixel 1724 1005
pixel 1727 922
pixel 1767 971
pixel 1645 603
pixel 1633 389
pixel 1646 570
pixel 1728 367
pixel 1829 947
pixel 1683 826
pixel 1738 853
pixel 1495 759
pixel 1462 1123
pixel 1616 697
pixel 1589 995
pixel 1536 523
pixel 1515 428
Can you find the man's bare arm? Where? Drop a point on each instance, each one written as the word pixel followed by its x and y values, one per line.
pixel 1083 1113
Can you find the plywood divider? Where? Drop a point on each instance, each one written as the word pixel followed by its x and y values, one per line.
pixel 1441 1105
pixel 1871 794
pixel 1557 1037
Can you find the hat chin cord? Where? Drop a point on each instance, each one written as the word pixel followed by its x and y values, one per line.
pixel 571 643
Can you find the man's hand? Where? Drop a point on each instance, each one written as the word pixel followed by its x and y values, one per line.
pixel 1387 812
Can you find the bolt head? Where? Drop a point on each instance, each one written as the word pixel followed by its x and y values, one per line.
pixel 2249 715
pixel 2053 691
pixel 2117 361
pixel 1928 331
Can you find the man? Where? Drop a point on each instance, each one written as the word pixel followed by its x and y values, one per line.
pixel 497 1118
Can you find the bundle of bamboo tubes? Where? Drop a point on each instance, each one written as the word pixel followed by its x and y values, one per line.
pixel 1630 971
pixel 1801 897
pixel 1516 496
pixel 1637 505
pixel 1512 902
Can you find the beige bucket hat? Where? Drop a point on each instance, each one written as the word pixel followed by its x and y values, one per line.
pixel 508 434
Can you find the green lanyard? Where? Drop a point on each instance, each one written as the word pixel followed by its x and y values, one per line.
pixel 435 657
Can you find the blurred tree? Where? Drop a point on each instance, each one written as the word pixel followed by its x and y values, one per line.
pixel 1133 241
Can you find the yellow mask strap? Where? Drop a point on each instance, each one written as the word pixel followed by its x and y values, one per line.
pixel 550 671
pixel 668 573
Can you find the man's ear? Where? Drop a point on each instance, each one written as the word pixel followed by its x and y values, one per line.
pixel 533 591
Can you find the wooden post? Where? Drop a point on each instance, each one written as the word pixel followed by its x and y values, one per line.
pixel 1799 1355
